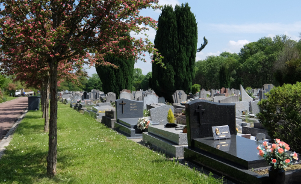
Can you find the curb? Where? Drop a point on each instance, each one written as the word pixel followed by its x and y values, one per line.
pixel 8 137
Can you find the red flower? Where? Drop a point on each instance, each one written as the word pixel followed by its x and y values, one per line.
pixel 274 146
pixel 274 161
pixel 280 150
pixel 287 161
pixel 261 153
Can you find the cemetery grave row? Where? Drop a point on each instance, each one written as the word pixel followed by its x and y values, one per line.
pixel 233 157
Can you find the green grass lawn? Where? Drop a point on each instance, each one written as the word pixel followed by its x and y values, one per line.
pixel 88 152
pixel 8 98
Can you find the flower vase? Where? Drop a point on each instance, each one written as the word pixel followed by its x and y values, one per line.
pixel 276 176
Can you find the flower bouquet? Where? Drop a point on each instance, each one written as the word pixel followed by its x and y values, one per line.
pixel 275 154
pixel 143 123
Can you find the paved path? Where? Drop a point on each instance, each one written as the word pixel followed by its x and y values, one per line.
pixel 10 111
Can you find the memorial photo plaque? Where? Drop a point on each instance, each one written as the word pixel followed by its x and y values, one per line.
pixel 221 132
pixel 223 145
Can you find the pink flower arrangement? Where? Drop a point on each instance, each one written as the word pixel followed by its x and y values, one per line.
pixel 143 123
pixel 275 154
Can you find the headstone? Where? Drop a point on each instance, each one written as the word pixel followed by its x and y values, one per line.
pixel 161 100
pixel 260 137
pixel 127 113
pixel 109 119
pixel 84 96
pixel 204 114
pixel 138 95
pixel 179 96
pixel 203 93
pixel 226 156
pixel 110 97
pixel 254 108
pixel 159 114
pixel 150 99
pixel 126 95
pixel 268 87
pixel 244 95
pixel 218 98
pixel 241 106
pixel 229 99
pixel 128 108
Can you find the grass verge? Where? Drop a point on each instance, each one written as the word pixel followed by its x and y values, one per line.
pixel 8 98
pixel 88 152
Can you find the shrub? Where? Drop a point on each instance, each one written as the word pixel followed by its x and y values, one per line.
pixel 170 117
pixel 280 114
pixel 195 88
pixel 146 113
pixel 1 97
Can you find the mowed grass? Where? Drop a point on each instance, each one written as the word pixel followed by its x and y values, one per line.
pixel 88 152
pixel 8 98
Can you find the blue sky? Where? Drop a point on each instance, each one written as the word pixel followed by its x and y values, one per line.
pixel 228 25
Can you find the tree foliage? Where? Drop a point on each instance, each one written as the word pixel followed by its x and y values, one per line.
pixel 280 114
pixel 39 34
pixel 176 40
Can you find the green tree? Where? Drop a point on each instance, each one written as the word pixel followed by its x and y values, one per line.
pixel 137 78
pixel 258 59
pixel 176 40
pixel 145 84
pixel 93 82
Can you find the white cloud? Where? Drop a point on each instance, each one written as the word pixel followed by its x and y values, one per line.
pixel 235 46
pixel 203 55
pixel 169 2
pixel 257 28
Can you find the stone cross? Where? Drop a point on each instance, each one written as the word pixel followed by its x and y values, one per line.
pixel 122 105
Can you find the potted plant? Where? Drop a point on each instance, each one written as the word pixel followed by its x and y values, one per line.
pixel 170 119
pixel 143 123
pixel 276 156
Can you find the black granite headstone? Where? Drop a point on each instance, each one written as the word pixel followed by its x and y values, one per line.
pixel 128 108
pixel 202 115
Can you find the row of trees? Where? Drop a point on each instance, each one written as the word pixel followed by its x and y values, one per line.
pixel 269 60
pixel 43 41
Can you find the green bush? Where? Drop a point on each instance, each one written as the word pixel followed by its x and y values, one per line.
pixel 195 88
pixel 170 117
pixel 280 114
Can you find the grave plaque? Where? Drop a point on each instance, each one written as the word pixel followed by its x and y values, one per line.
pixel 223 145
pixel 221 132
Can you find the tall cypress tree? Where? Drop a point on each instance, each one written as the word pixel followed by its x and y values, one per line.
pixel 176 40
pixel 114 80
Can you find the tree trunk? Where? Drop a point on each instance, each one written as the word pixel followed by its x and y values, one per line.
pixel 52 152
pixel 46 105
pixel 42 99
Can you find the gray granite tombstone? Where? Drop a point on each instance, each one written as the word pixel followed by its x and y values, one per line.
pixel 218 98
pixel 149 99
pixel 159 114
pixel 229 99
pixel 161 100
pixel 110 97
pixel 127 113
pixel 128 108
pixel 254 108
pixel 138 95
pixel 179 96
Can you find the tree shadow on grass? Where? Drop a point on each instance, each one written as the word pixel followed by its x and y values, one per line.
pixel 30 167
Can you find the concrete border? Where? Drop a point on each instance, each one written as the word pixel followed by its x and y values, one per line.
pixel 8 137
